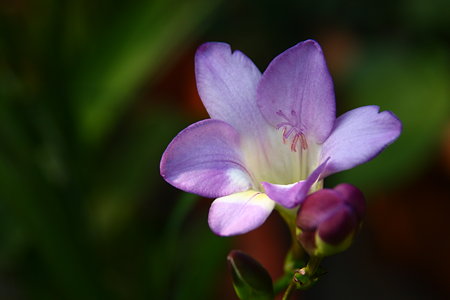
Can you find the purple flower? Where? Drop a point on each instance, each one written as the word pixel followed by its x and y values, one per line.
pixel 329 219
pixel 271 138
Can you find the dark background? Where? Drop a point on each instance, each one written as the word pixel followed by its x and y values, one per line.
pixel 91 93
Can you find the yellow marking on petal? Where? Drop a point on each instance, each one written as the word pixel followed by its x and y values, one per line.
pixel 252 197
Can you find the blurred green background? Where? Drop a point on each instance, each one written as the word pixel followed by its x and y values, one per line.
pixel 91 93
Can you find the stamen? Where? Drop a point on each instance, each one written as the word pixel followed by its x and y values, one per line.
pixel 294 143
pixel 303 142
pixel 290 126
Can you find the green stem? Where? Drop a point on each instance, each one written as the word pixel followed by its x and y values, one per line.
pixel 289 290
pixel 282 283
pixel 289 217
pixel 313 265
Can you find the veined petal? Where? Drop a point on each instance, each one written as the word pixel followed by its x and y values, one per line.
pixel 291 195
pixel 239 213
pixel 297 91
pixel 226 82
pixel 204 159
pixel 358 136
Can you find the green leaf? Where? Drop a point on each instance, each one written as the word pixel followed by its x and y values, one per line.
pixel 250 280
pixel 34 205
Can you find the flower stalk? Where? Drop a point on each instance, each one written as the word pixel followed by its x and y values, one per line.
pixel 313 265
pixel 289 290
pixel 303 278
pixel 296 253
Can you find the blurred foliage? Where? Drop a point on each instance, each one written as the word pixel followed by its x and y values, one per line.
pixel 84 213
pixel 71 185
pixel 413 83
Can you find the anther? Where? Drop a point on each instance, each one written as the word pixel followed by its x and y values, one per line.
pixel 283 135
pixel 294 143
pixel 303 142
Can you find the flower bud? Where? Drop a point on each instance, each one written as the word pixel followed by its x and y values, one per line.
pixel 329 218
pixel 250 280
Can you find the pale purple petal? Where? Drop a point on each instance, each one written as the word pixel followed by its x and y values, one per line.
pixel 239 213
pixel 204 159
pixel 297 89
pixel 292 195
pixel 358 136
pixel 227 82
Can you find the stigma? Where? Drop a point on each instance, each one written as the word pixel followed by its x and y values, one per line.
pixel 290 127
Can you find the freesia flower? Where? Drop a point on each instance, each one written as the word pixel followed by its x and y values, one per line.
pixel 272 137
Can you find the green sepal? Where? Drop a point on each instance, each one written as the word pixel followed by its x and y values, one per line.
pixel 251 280
pixel 325 249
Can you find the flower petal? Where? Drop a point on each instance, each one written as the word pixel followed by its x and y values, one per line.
pixel 204 159
pixel 239 213
pixel 353 197
pixel 317 207
pixel 338 226
pixel 297 86
pixel 358 136
pixel 226 82
pixel 292 195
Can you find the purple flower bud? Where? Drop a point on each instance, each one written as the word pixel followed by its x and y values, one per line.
pixel 329 218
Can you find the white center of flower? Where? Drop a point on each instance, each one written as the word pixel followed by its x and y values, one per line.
pixel 271 159
pixel 291 125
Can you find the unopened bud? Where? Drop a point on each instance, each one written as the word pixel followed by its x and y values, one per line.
pixel 329 218
pixel 250 280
